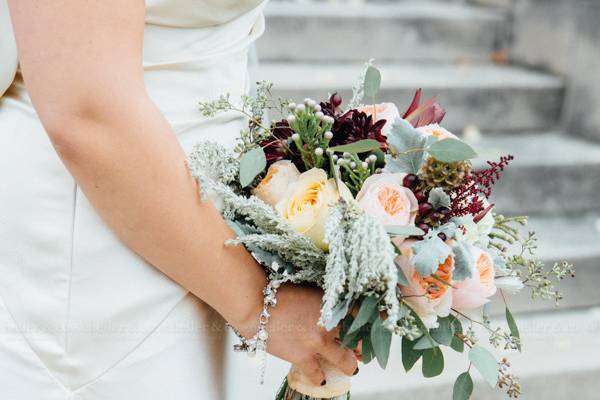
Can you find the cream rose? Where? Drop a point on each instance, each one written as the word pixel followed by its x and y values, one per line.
pixel 305 204
pixel 273 186
pixel 429 297
pixel 384 198
pixel 387 111
pixel 475 291
pixel 437 131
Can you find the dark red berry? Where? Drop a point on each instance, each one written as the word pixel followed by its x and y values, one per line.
pixel 436 216
pixel 335 100
pixel 424 227
pixel 442 236
pixel 421 197
pixel 410 181
pixel 424 209
pixel 445 211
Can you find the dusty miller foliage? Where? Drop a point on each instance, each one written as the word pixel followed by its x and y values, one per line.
pixel 360 262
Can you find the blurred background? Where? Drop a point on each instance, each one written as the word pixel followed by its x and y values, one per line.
pixel 517 77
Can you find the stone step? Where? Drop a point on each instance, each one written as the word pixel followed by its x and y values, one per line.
pixel 415 31
pixel 494 98
pixel 561 357
pixel 574 239
pixel 552 174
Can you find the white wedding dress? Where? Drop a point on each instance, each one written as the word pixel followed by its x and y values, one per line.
pixel 81 316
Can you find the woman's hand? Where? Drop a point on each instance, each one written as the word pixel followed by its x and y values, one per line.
pixel 295 336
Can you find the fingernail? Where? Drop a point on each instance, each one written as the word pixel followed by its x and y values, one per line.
pixel 355 371
pixel 324 382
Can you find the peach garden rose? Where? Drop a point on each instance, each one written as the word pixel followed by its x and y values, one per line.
pixel 427 296
pixel 387 111
pixel 437 131
pixel 273 186
pixel 384 198
pixel 475 291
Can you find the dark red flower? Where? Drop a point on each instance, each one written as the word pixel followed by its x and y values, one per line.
pixel 424 114
pixel 276 146
pixel 332 106
pixel 356 125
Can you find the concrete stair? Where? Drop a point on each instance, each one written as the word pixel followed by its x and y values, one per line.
pixel 400 31
pixel 492 97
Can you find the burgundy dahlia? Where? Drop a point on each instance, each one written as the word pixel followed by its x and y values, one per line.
pixel 276 147
pixel 355 125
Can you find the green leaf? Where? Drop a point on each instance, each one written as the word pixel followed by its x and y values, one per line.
pixel 367 308
pixel 457 344
pixel 408 144
pixel 463 387
pixel 410 355
pixel 372 81
pixel 402 280
pixel 485 363
pixel 429 254
pixel 408 230
pixel 433 362
pixel 464 265
pixel 438 198
pixel 381 338
pixel 451 150
pixel 512 325
pixel 362 146
pixel 444 333
pixel 425 343
pixel 252 163
pixel 367 350
pixel 340 310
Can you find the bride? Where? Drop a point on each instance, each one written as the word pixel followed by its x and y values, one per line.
pixel 113 275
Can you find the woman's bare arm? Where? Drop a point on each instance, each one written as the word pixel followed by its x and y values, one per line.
pixel 82 64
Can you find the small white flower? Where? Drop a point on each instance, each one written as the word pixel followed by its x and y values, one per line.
pixel 347 155
pixel 365 165
pixel 340 161
pixel 318 152
pixel 328 119
pixel 291 118
pixel 317 107
pixel 328 135
pixel 311 104
pixel 319 115
pixel 300 107
pixel 292 106
pixel 335 158
pixel 372 158
pixel 295 137
pixel 307 100
pixel 352 165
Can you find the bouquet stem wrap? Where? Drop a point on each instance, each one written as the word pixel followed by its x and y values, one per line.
pixel 299 387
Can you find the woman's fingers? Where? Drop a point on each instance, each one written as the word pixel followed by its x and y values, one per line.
pixel 341 357
pixel 312 369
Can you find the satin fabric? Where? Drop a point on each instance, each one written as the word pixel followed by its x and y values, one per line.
pixel 81 316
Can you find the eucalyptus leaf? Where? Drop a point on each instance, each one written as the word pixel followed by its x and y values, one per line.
pixel 338 313
pixel 425 343
pixel 512 325
pixel 464 264
pixel 485 363
pixel 429 254
pixel 367 308
pixel 463 387
pixel 252 163
pixel 367 350
pixel 408 230
pixel 372 81
pixel 444 333
pixel 362 146
pixel 410 355
pixel 381 339
pixel 433 362
pixel 451 150
pixel 457 344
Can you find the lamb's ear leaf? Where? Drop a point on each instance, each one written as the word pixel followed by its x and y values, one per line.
pixel 252 163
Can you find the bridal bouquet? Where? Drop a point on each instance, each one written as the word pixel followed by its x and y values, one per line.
pixel 387 215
